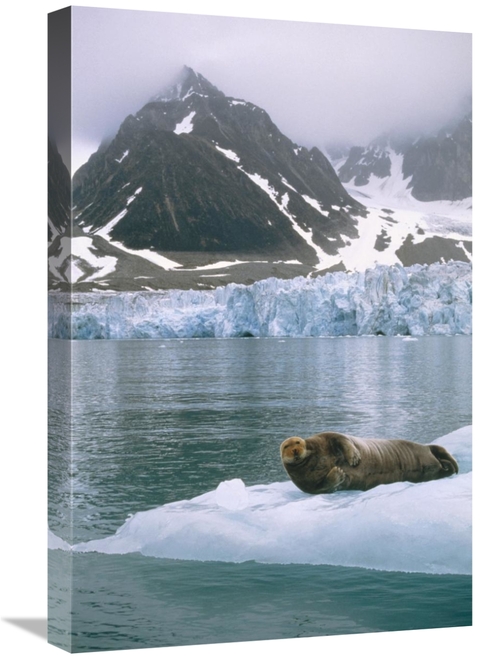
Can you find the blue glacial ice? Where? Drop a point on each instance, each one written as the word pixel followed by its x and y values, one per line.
pixel 388 300
pixel 423 527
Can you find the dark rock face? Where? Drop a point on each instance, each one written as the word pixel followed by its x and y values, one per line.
pixel 432 250
pixel 361 163
pixel 441 167
pixel 198 189
pixel 59 192
pixel 437 167
pixel 383 241
pixel 196 171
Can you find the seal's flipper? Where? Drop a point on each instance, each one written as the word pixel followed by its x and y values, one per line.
pixel 344 447
pixel 351 453
pixel 334 479
pixel 448 462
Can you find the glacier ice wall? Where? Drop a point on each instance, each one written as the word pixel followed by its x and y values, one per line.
pixel 388 300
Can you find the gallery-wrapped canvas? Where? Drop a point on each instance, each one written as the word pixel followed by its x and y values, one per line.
pixel 259 259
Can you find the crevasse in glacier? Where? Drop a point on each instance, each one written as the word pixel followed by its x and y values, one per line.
pixel 387 300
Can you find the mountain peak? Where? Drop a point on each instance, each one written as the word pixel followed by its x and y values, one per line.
pixel 187 82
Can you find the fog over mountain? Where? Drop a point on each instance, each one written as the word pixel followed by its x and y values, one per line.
pixel 319 82
pixel 197 180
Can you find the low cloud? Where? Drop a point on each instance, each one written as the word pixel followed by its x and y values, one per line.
pixel 320 83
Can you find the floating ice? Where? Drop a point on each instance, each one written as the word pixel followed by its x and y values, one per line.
pixel 54 542
pixel 424 527
pixel 232 495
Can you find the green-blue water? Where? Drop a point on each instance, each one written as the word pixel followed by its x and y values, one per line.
pixel 154 422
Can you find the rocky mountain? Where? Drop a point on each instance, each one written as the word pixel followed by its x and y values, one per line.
pixel 440 167
pixel 199 180
pixel 418 193
pixel 433 167
pixel 59 193
pixel 199 189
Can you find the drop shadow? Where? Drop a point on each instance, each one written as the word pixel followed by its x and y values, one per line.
pixel 37 626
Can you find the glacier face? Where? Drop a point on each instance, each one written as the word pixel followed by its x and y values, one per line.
pixel 387 300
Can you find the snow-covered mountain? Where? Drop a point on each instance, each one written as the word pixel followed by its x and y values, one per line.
pixel 418 193
pixel 199 189
pixel 197 179
pixel 434 167
pixel 59 193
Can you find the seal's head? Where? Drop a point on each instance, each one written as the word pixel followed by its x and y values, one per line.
pixel 293 450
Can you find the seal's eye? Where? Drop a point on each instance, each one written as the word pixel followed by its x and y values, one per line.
pixel 297 442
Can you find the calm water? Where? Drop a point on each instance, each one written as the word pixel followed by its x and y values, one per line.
pixel 161 421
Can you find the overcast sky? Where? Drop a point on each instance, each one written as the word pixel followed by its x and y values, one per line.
pixel 320 83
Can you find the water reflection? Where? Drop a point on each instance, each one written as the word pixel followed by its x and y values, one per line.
pixel 158 421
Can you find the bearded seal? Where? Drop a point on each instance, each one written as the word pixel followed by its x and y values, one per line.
pixel 331 461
